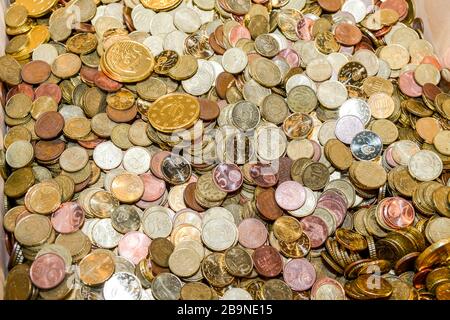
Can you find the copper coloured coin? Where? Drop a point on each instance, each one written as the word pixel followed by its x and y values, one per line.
pixel 209 110
pixel 156 161
pixel 36 71
pixel 80 186
pixel 284 169
pixel 224 81
pixel 105 83
pixel 47 271
pixel 88 74
pixel 316 229
pixel 237 33
pixel 397 212
pixel 49 150
pixel 49 125
pixel 408 85
pixel 347 34
pixel 49 90
pixel 299 274
pixel 189 197
pixel 122 115
pixel 252 233
pixel 431 91
pixel 267 205
pixel 154 187
pixel 215 45
pixel 91 144
pixel 227 177
pixel 68 218
pixel 24 88
pixel 267 261
pixel 330 5
pixel 400 6
pixel 264 175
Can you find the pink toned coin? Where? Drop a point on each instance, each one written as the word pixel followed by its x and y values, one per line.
pixel 154 188
pixel 227 177
pixel 264 175
pixel 304 29
pixel 134 246
pixel 21 88
pixel 389 158
pixel 290 195
pixel 317 150
pixel 68 218
pixel 316 229
pixel 290 56
pixel 252 233
pixel 50 90
pixel 237 33
pixel 147 204
pixel 88 74
pixel 299 274
pixel 105 83
pixel 347 128
pixel 409 86
pixel 397 212
pixel 47 271
pixel 155 163
pixel 432 60
pixel 35 72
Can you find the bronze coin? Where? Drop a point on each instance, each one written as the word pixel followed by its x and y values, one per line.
pixel 35 72
pixel 121 115
pixel 160 251
pixel 267 205
pixel 49 150
pixel 49 125
pixel 215 45
pixel 88 74
pixel 209 110
pixel 347 34
pixel 49 90
pixel 21 88
pixel 284 169
pixel 330 5
pixel 105 83
pixel 430 91
pixel 267 261
pixel 224 81
pixel 264 175
pixel 155 163
pixel 189 197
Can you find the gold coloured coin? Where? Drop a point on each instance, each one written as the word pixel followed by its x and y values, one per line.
pixel 127 61
pixel 174 111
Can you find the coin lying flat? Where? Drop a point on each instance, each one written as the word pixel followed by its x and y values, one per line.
pixel 224 150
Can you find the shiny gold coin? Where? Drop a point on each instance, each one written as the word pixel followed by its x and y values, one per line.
pixel 160 5
pixel 16 15
pixel 287 229
pixel 127 188
pixel 128 61
pixel 196 291
pixel 96 268
pixel 37 8
pixel 351 240
pixel 43 198
pixel 174 111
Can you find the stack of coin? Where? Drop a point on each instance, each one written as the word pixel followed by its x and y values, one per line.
pixel 224 150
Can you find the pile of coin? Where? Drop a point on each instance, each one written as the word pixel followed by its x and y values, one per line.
pixel 203 149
